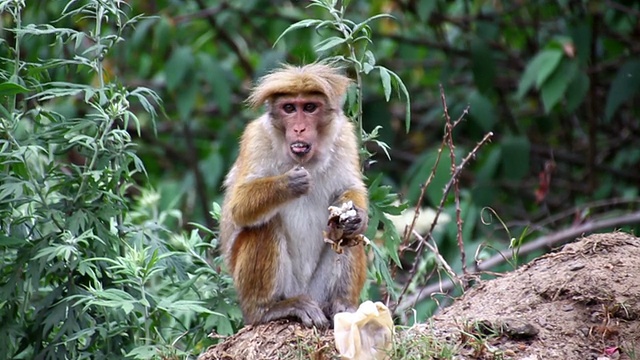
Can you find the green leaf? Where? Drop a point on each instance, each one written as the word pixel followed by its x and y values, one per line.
pixel 554 89
pixel 4 112
pixel 217 78
pixel 329 43
pixel 581 35
pixel 361 25
pixel 550 64
pixel 577 91
pixel 127 307
pixel 419 172
pixel 405 92
pixel 369 62
pixel 515 157
pixel 11 241
pixel 178 66
pixel 485 190
pixel 623 87
pixel 385 78
pixel 186 99
pixel 144 352
pixel 488 164
pixel 382 269
pixel 425 8
pixel 299 25
pixel 164 34
pixel 538 69
pixel 216 211
pixel 483 112
pixel 483 65
pixel 10 88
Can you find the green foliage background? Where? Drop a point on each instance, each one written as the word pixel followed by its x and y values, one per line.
pixel 100 199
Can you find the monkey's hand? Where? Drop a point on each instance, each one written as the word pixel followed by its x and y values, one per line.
pixel 345 226
pixel 355 222
pixel 299 181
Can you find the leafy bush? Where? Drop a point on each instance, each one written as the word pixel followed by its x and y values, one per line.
pixel 89 267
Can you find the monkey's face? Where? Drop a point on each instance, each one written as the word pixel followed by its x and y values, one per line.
pixel 300 118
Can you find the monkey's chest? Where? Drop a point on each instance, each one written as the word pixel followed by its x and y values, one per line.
pixel 304 220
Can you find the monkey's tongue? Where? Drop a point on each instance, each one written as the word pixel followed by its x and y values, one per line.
pixel 300 148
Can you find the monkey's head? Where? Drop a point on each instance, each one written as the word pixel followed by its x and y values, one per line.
pixel 302 104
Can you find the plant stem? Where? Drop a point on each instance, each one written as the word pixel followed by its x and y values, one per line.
pixel 100 136
pixel 98 39
pixel 17 16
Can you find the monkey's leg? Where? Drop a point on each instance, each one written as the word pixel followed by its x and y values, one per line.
pixel 301 307
pixel 350 272
pixel 346 273
pixel 255 265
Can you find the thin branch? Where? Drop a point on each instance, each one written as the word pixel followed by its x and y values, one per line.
pixel 423 188
pixel 587 208
pixel 447 189
pixel 544 242
pixel 456 187
pixel 436 253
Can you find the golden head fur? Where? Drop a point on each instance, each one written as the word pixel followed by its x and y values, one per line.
pixel 290 80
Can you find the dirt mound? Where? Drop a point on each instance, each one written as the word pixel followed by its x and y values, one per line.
pixel 580 303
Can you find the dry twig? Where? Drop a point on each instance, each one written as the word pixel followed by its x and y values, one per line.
pixel 455 174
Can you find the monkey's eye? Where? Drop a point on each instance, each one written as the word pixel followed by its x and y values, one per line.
pixel 310 107
pixel 288 108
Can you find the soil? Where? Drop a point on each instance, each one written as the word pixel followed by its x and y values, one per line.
pixel 581 302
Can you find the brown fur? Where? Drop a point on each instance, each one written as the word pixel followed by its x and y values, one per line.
pixel 253 260
pixel 256 200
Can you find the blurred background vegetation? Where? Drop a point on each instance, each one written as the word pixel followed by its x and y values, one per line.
pixel 104 207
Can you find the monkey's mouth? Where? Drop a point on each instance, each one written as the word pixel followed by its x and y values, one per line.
pixel 300 148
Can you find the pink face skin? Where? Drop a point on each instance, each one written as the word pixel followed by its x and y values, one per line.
pixel 301 118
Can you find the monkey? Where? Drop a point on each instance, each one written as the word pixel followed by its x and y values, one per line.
pixel 294 161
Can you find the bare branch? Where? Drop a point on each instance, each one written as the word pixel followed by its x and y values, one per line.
pixel 422 244
pixel 456 188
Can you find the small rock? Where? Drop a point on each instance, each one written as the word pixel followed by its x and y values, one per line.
pixel 567 307
pixel 518 329
pixel 576 266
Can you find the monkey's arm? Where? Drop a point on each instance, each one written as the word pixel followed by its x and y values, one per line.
pixel 256 201
pixel 354 189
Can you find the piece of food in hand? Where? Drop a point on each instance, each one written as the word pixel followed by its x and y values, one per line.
pixel 334 235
